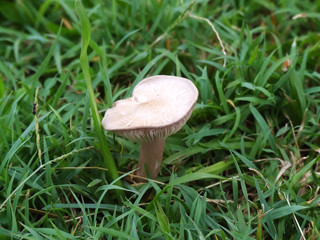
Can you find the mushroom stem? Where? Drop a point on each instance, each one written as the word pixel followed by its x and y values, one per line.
pixel 151 154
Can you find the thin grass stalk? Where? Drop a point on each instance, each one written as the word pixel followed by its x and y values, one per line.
pixel 39 168
pixel 103 145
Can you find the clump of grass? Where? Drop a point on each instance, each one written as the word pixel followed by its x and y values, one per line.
pixel 246 165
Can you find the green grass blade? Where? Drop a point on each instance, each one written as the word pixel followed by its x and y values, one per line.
pixel 112 232
pixel 303 171
pixel 103 145
pixel 264 126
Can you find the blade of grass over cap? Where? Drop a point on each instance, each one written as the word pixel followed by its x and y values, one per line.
pixel 103 145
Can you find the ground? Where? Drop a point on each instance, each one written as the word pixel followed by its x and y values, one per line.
pixel 246 164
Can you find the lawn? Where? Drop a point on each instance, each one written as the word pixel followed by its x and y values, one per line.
pixel 246 164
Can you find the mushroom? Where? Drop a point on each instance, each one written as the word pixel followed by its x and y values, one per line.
pixel 159 106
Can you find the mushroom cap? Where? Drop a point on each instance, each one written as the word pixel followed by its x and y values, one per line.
pixel 159 106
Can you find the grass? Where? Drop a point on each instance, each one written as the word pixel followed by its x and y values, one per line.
pixel 245 166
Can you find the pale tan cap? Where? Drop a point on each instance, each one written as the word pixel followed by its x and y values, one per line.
pixel 159 106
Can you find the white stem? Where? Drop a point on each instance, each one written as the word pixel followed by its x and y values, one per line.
pixel 151 154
